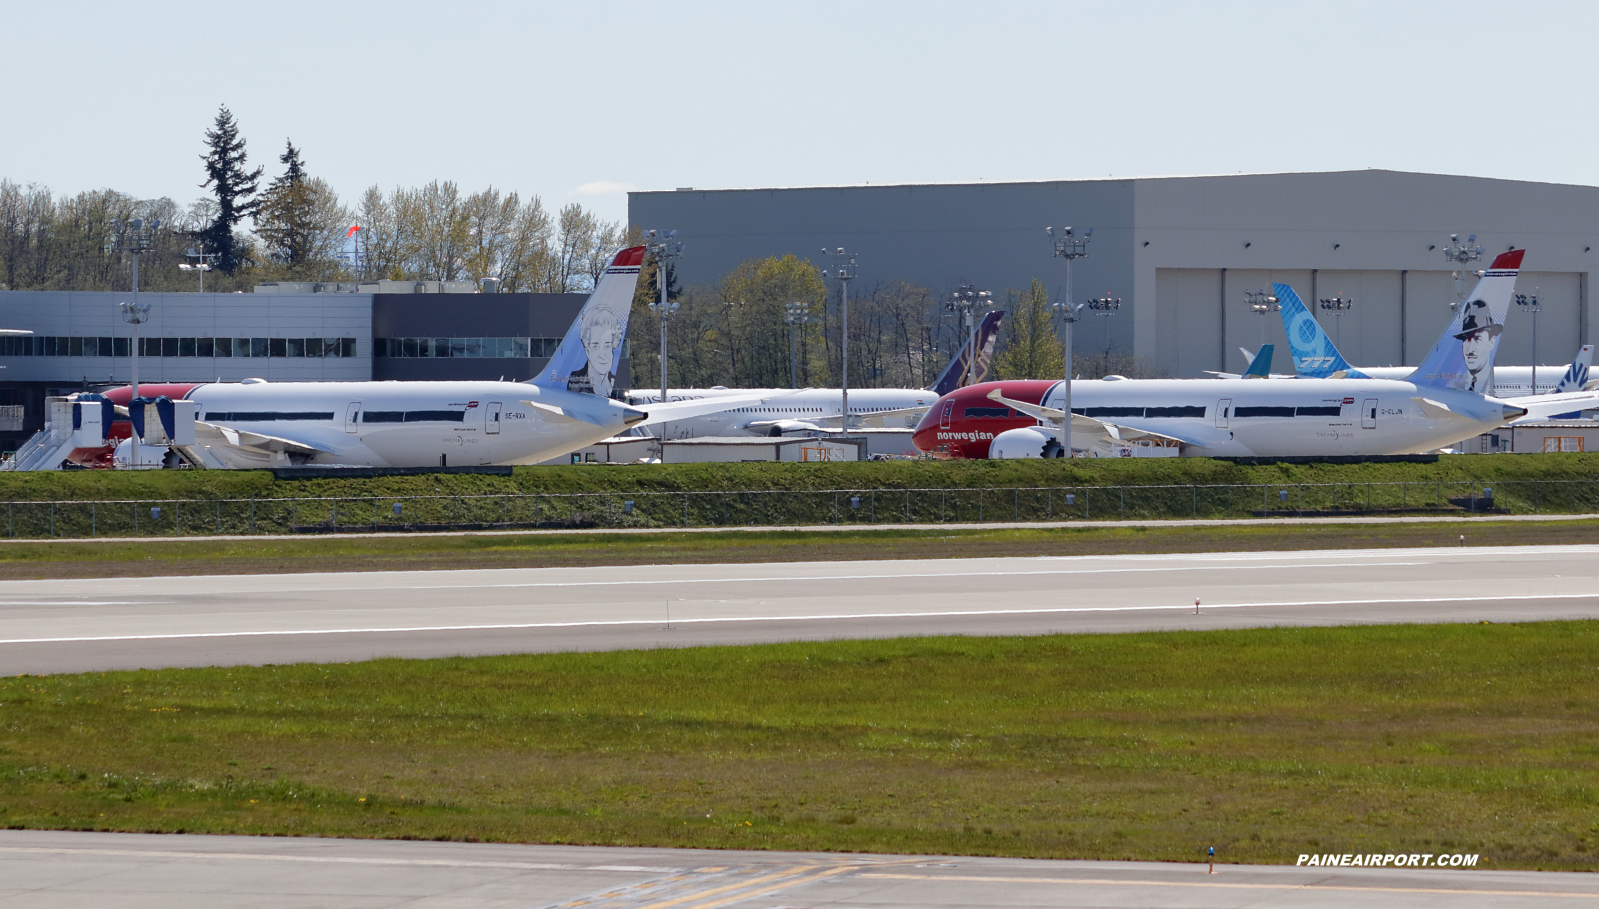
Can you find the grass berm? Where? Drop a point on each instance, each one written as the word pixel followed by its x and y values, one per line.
pixel 1264 743
pixel 210 484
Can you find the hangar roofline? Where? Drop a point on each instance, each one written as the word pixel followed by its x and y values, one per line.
pixel 1127 179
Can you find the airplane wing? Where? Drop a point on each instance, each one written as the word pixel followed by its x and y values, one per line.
pixel 1088 425
pixel 917 411
pixel 682 410
pixel 562 414
pixel 240 438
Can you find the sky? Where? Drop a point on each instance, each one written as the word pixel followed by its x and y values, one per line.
pixel 577 102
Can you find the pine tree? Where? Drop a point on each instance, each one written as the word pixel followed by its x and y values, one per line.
pixel 234 187
pixel 284 213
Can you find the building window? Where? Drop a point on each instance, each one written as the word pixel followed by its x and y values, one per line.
pixel 224 347
pixel 74 347
pixel 313 347
pixel 205 347
pixel 277 347
pixel 347 347
pixel 294 347
pixel 169 347
pixel 119 347
pixel 185 347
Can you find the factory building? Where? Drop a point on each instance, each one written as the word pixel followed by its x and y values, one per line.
pixel 1181 252
pixel 282 333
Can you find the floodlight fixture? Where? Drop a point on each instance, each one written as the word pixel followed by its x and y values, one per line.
pixel 844 271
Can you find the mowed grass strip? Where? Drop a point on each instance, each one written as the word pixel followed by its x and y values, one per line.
pixel 276 555
pixel 1264 743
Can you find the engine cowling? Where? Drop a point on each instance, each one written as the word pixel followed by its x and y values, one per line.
pixel 1027 442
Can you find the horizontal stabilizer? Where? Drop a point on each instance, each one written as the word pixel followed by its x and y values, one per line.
pixel 682 410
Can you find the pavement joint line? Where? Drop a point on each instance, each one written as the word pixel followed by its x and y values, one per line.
pixel 779 885
pixel 1239 886
pixel 333 860
pixel 797 618
pixel 728 888
pixel 822 528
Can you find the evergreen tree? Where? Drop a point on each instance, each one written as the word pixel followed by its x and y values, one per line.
pixel 285 213
pixel 234 187
pixel 1033 349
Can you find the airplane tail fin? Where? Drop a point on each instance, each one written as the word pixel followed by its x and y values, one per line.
pixel 1260 364
pixel 955 374
pixel 1463 356
pixel 1576 377
pixel 587 357
pixel 1312 351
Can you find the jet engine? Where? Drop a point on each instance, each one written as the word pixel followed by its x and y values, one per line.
pixel 1027 442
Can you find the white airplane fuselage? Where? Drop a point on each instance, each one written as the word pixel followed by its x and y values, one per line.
pixel 410 424
pixel 1232 417
pixel 788 410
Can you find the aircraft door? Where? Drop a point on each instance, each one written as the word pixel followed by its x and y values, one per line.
pixel 1368 413
pixel 1224 409
pixel 491 418
pixel 352 417
pixel 943 418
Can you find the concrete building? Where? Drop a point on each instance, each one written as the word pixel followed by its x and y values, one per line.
pixel 286 333
pixel 1181 251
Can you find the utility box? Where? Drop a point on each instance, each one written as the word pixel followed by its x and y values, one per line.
pixel 163 421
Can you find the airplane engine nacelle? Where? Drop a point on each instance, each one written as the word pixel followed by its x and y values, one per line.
pixel 1027 442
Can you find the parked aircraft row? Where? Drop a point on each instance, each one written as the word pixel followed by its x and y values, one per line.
pixel 1445 399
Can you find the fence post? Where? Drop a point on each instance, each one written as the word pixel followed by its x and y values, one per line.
pixel 1049 512
pixel 685 509
pixel 835 507
pixel 294 513
pixel 1301 490
pixel 219 517
pixel 52 519
pixel 907 506
pixel 1122 491
pixel 1016 504
pixel 11 532
pixel 1196 502
pixel 252 512
pixel 979 506
pixel 505 517
pixel 943 505
pixel 177 517
pixel 94 520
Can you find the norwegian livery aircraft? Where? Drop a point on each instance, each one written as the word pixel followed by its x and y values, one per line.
pixel 256 423
pixel 1438 403
pixel 818 409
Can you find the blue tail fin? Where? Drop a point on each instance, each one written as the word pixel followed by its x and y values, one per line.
pixel 1576 377
pixel 1260 366
pixel 955 374
pixel 1312 351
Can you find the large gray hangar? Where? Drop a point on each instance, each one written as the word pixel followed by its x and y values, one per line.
pixel 1182 251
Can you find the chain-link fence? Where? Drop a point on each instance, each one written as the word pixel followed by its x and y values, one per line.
pixel 203 517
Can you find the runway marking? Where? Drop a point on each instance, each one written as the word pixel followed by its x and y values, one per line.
pixel 717 891
pixel 763 891
pixel 333 860
pixel 1286 886
pixel 794 618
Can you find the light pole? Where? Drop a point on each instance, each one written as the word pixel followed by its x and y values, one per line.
pixel 965 300
pixel 1070 247
pixel 664 246
pixel 1105 306
pixel 845 271
pixel 135 314
pixel 795 314
pixel 1338 304
pixel 1529 304
pixel 1461 254
pixel 202 267
pixel 1262 303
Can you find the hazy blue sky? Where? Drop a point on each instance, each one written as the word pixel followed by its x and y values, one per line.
pixel 578 101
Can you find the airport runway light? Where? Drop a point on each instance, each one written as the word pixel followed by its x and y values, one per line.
pixel 1338 304
pixel 844 269
pixel 664 246
pixel 1262 303
pixel 1071 247
pixel 202 266
pixel 966 300
pixel 1529 304
pixel 795 314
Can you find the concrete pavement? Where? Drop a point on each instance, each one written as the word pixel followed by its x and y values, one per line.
pixel 84 625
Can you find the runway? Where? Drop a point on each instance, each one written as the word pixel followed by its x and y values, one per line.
pixel 84 625
pixel 57 869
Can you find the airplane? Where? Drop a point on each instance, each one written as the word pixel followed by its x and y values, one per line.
pixel 256 423
pixel 814 410
pixel 1316 356
pixel 1438 403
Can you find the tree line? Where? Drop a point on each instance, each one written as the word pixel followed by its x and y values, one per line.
pixel 297 228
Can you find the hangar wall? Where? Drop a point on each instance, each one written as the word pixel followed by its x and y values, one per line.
pixel 1181 251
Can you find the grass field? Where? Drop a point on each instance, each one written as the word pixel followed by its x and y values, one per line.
pixel 1264 743
pixel 273 555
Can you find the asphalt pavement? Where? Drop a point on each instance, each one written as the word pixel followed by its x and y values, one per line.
pixel 97 624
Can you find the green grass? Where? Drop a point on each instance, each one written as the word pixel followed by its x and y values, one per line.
pixel 420 552
pixel 1264 743
pixel 105 485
